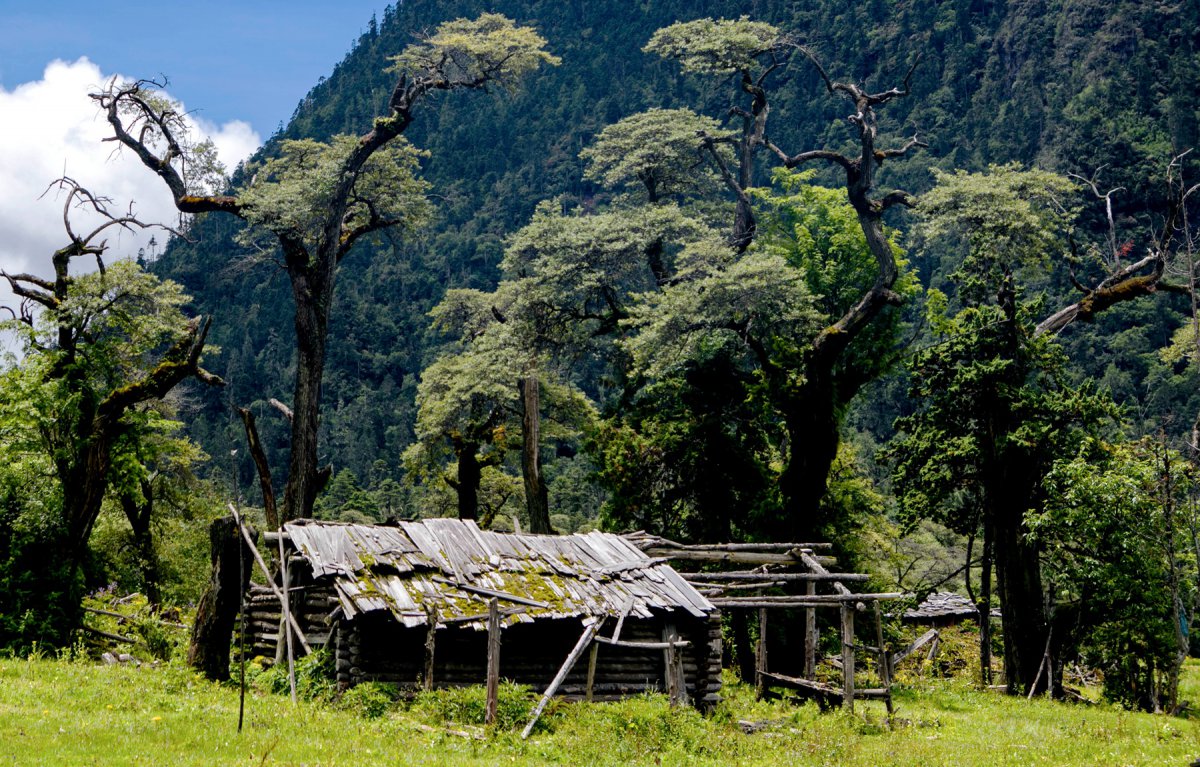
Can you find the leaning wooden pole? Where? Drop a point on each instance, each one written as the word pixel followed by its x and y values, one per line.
pixel 584 640
pixel 290 620
pixel 286 606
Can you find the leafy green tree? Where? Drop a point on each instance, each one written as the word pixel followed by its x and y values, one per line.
pixel 316 200
pixel 101 350
pixel 750 53
pixel 995 411
pixel 1119 533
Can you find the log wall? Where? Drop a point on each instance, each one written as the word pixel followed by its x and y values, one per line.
pixel 374 647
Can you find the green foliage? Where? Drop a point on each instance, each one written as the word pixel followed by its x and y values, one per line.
pixel 659 149
pixel 468 705
pixel 727 302
pixel 1119 528
pixel 370 700
pixel 1010 220
pixel 290 194
pixel 490 48
pixel 721 46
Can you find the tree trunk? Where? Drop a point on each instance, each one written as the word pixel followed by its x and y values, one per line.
pixel 216 615
pixel 813 439
pixel 985 606
pixel 139 516
pixel 470 474
pixel 1022 598
pixel 537 502
pixel 311 290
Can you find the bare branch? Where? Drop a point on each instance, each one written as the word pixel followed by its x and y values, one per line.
pixel 912 143
pixel 282 408
pixel 791 161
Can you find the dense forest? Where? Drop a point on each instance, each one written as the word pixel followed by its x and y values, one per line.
pixel 1069 87
pixel 917 278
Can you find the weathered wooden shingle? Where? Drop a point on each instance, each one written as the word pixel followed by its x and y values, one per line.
pixel 404 570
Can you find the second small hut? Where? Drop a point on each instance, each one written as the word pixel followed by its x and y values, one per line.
pixel 411 605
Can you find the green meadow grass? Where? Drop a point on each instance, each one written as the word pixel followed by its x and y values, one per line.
pixel 56 712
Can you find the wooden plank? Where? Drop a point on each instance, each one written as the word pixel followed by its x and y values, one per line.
pixel 917 644
pixel 430 645
pixel 673 666
pixel 493 661
pixel 585 639
pixel 625 608
pixel 849 596
pixel 745 557
pixel 638 645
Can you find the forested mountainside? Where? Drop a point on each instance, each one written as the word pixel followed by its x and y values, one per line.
pixel 1069 86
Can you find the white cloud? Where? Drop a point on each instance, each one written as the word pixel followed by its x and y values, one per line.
pixel 49 128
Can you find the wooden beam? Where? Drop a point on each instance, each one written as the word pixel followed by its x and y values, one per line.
pixel 818 567
pixel 493 661
pixel 585 639
pixel 492 593
pixel 636 645
pixel 756 577
pixel 673 666
pixel 591 675
pixel 917 644
pixel 797 600
pixel 885 662
pixel 746 557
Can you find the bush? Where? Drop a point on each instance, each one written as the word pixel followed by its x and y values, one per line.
pixel 468 705
pixel 370 699
pixel 314 676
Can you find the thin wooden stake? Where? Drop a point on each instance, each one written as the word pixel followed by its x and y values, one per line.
pixel 493 661
pixel 430 642
pixel 810 634
pixel 673 664
pixel 1043 666
pixel 760 656
pixel 584 640
pixel 848 657
pixel 885 661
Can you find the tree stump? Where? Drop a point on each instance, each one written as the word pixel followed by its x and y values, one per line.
pixel 216 615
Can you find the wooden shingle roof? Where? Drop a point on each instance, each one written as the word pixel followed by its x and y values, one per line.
pixel 448 568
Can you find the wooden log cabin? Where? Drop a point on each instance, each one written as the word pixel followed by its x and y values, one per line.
pixel 408 604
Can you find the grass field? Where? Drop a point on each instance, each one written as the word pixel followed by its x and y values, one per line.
pixel 56 712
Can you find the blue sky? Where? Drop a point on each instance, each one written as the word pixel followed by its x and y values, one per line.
pixel 226 60
pixel 239 68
